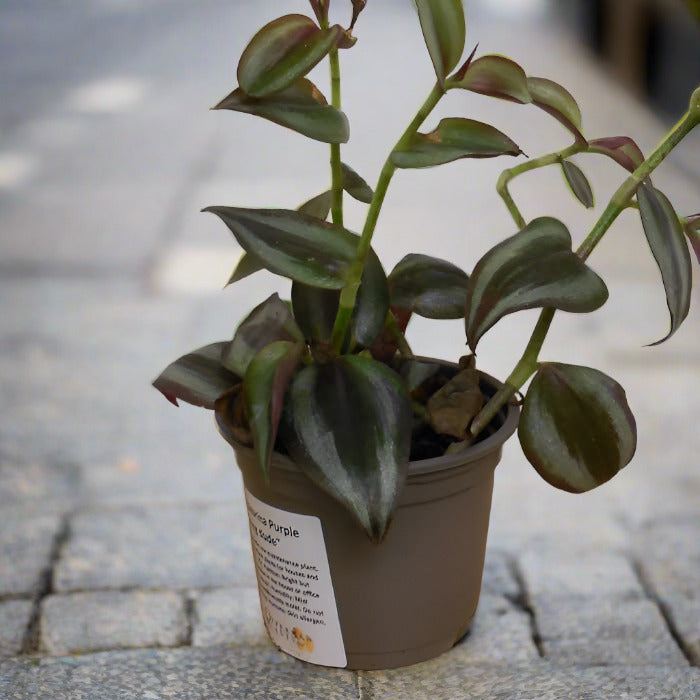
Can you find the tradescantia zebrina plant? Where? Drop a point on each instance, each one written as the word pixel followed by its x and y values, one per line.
pixel 328 377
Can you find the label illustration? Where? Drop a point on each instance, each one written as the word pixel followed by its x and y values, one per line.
pixel 294 580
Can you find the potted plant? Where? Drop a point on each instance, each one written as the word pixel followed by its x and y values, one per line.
pixel 368 471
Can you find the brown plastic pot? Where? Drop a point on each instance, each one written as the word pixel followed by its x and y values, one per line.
pixel 413 596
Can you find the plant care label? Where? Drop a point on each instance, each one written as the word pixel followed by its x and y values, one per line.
pixel 294 580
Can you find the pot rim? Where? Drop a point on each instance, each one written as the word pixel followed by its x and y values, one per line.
pixel 422 466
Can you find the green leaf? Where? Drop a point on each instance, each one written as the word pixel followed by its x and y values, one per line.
pixel 372 303
pixel 496 76
pixel 347 424
pixel 301 107
pixel 315 310
pixel 198 378
pixel 266 323
pixel 621 149
pixel 534 268
pixel 283 51
pixel 355 186
pixel 247 265
pixel 667 242
pixel 430 287
pixel 557 101
pixel 292 244
pixel 318 206
pixel 266 381
pixel 578 183
pixel 576 428
pixel 454 138
pixel 444 31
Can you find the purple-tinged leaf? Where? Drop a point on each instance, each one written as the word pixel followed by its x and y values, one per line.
pixel 247 265
pixel 534 268
pixel 453 139
pixel 496 76
pixel 266 381
pixel 576 428
pixel 318 206
pixel 347 41
pixel 557 101
pixel 691 228
pixel 266 323
pixel 315 311
pixel 444 31
pixel 356 186
pixel 320 8
pixel 198 378
pixel 428 286
pixel 301 108
pixel 292 244
pixel 621 149
pixel 665 236
pixel 578 183
pixel 372 304
pixel 357 7
pixel 283 51
pixel 329 405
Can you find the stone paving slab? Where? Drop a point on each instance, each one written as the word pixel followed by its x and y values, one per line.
pixel 228 616
pixel 25 552
pixel 542 681
pixel 499 574
pixel 14 620
pixel 602 631
pixel 552 572
pixel 81 622
pixel 668 551
pixel 195 546
pixel 500 634
pixel 185 674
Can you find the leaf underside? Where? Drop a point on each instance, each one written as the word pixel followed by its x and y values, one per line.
pixel 300 107
pixel 454 138
pixel 198 378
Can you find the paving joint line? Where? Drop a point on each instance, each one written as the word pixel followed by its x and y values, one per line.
pixel 522 602
pixel 651 594
pixel 190 617
pixel 363 692
pixel 31 640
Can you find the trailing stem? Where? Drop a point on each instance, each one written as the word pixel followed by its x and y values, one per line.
pixel 336 168
pixel 527 365
pixel 349 292
pixel 507 175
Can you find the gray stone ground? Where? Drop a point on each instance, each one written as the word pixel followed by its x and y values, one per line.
pixel 125 567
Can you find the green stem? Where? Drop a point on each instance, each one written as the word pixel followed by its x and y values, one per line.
pixel 523 370
pixel 336 168
pixel 349 292
pixel 397 336
pixel 527 365
pixel 622 197
pixel 533 164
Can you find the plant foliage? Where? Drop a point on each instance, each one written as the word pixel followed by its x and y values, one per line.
pixel 329 377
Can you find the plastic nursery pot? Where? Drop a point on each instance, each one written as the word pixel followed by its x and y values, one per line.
pixel 331 597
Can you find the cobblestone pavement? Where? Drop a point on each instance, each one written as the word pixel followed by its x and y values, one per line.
pixel 125 567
